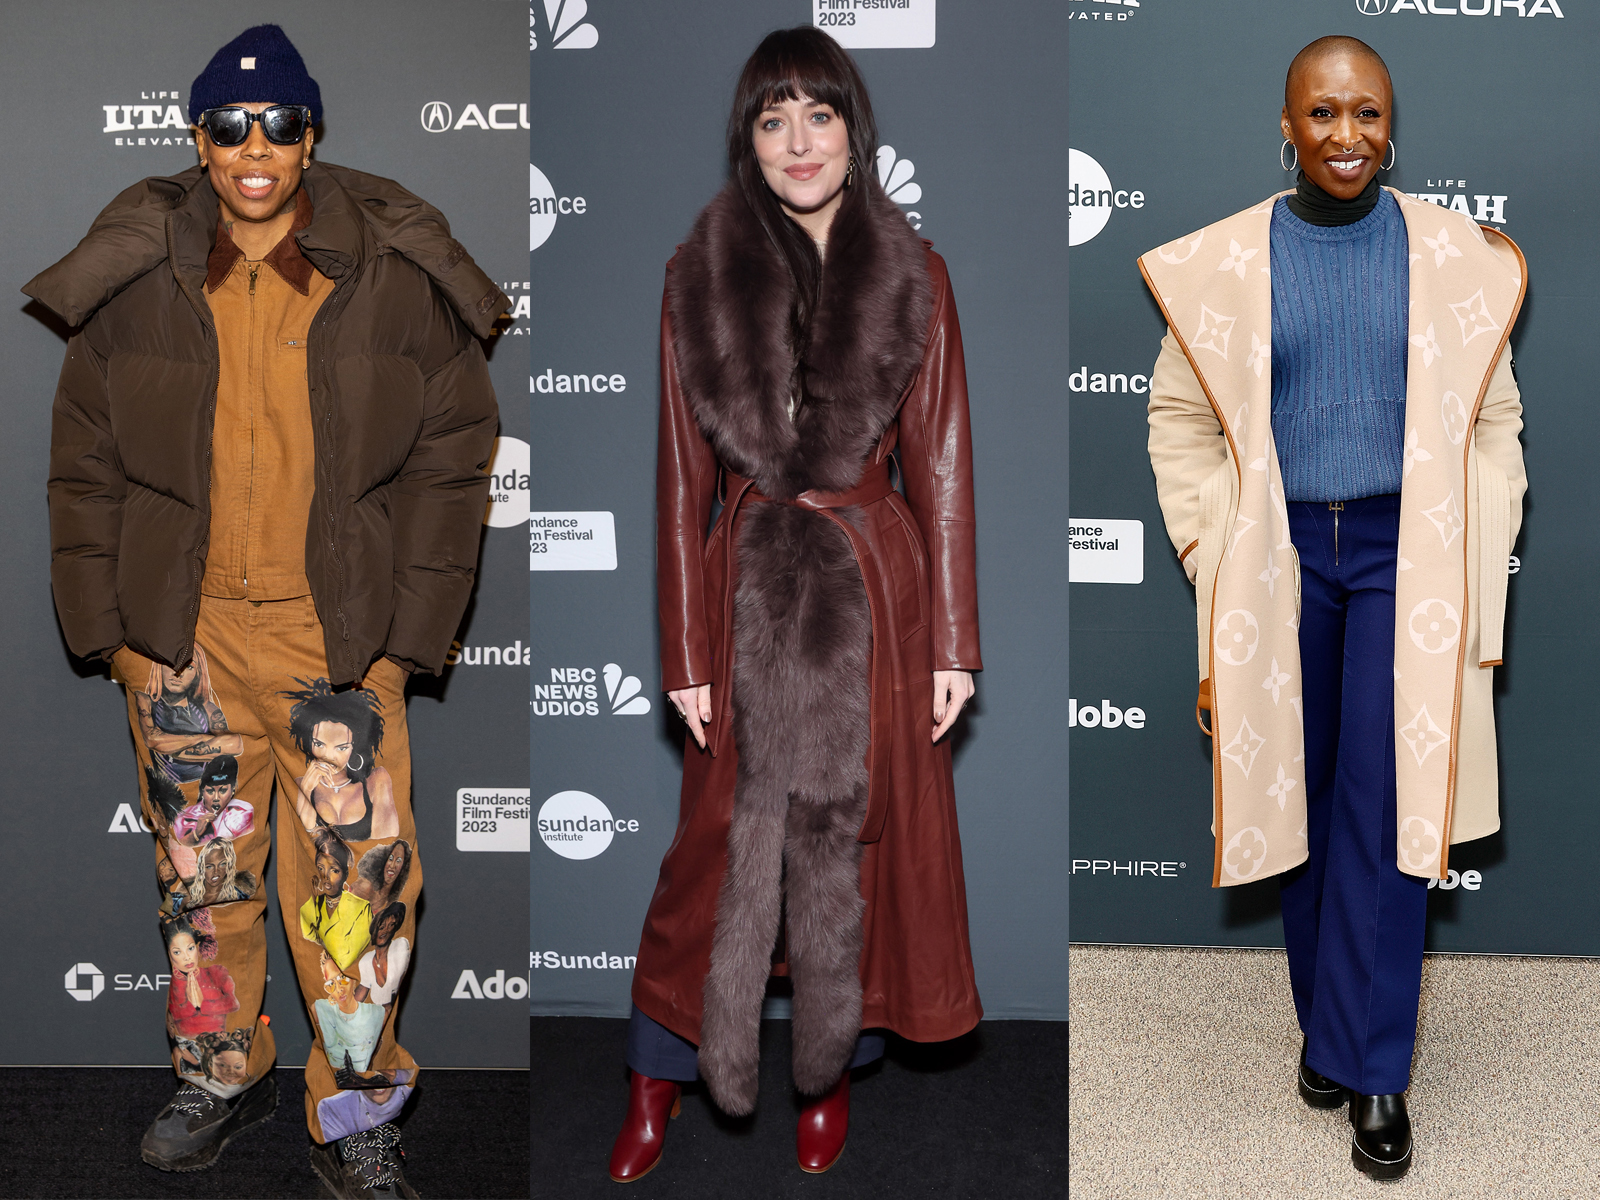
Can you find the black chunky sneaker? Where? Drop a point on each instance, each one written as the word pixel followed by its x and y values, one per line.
pixel 192 1129
pixel 1381 1145
pixel 364 1166
pixel 1318 1090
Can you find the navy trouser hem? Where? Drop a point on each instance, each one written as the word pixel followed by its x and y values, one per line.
pixel 657 1052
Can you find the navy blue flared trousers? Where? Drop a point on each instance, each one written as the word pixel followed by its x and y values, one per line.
pixel 656 1051
pixel 1353 923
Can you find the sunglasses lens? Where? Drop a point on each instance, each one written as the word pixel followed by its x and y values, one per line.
pixel 228 126
pixel 284 125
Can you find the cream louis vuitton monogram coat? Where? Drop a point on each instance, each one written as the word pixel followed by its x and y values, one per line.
pixel 1460 507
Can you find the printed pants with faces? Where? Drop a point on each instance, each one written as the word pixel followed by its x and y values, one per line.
pixel 254 706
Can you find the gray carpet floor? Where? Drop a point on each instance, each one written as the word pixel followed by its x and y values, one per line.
pixel 1183 1081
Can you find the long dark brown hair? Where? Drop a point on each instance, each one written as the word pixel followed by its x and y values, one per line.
pixel 790 64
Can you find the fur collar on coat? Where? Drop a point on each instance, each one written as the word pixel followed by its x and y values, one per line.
pixel 729 293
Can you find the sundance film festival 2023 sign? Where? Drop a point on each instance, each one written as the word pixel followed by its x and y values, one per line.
pixel 442 107
pixel 1142 796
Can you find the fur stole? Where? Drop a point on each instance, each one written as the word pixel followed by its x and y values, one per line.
pixel 729 293
pixel 802 629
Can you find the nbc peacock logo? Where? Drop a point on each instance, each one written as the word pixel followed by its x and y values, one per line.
pixel 567 28
pixel 895 176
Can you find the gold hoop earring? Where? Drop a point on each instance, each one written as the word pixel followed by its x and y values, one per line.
pixel 850 172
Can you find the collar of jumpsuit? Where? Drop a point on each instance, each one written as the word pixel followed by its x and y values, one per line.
pixel 263 457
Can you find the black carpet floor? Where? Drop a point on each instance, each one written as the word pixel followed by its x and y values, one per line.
pixel 74 1131
pixel 983 1116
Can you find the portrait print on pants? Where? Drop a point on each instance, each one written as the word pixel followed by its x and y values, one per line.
pixel 200 997
pixel 383 967
pixel 333 915
pixel 181 720
pixel 343 789
pixel 218 812
pixel 350 1028
pixel 265 667
pixel 344 1113
pixel 218 1061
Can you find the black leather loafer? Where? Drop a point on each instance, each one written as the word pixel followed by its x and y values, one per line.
pixel 1318 1090
pixel 1381 1146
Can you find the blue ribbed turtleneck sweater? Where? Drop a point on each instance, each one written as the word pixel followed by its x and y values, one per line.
pixel 1340 296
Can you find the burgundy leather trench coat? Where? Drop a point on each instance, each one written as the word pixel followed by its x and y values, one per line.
pixel 917 558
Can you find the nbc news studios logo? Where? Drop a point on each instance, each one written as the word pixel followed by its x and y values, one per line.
pixel 575 692
pixel 565 27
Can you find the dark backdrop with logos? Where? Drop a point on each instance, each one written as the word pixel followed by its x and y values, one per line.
pixel 76 872
pixel 1180 101
pixel 629 112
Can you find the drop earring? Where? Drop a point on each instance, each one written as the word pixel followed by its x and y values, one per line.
pixel 850 172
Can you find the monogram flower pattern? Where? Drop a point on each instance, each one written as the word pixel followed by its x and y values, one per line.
pixel 1214 332
pixel 1414 454
pixel 1473 314
pixel 1419 843
pixel 1238 635
pixel 1250 613
pixel 1453 412
pixel 1245 852
pixel 1447 519
pixel 1442 247
pixel 1275 680
pixel 1422 735
pixel 1280 790
pixel 1245 746
pixel 1181 251
pixel 1428 344
pixel 1434 626
pixel 1237 258
pixel 1260 356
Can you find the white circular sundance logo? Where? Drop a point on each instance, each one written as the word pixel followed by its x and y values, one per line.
pixel 541 208
pixel 85 981
pixel 576 824
pixel 509 483
pixel 1087 181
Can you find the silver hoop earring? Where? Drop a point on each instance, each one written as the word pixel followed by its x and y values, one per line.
pixel 1290 165
pixel 1394 155
pixel 358 766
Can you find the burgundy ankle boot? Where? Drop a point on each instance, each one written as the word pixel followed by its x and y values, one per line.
pixel 824 1122
pixel 651 1103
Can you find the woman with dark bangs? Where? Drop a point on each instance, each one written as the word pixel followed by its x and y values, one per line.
pixel 819 638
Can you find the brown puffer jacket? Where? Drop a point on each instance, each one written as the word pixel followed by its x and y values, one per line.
pixel 404 419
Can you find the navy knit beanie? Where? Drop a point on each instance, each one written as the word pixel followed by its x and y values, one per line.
pixel 261 65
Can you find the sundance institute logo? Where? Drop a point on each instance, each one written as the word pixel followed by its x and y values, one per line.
pixel 577 825
pixel 544 206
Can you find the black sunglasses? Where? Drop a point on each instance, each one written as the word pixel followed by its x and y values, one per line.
pixel 284 124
